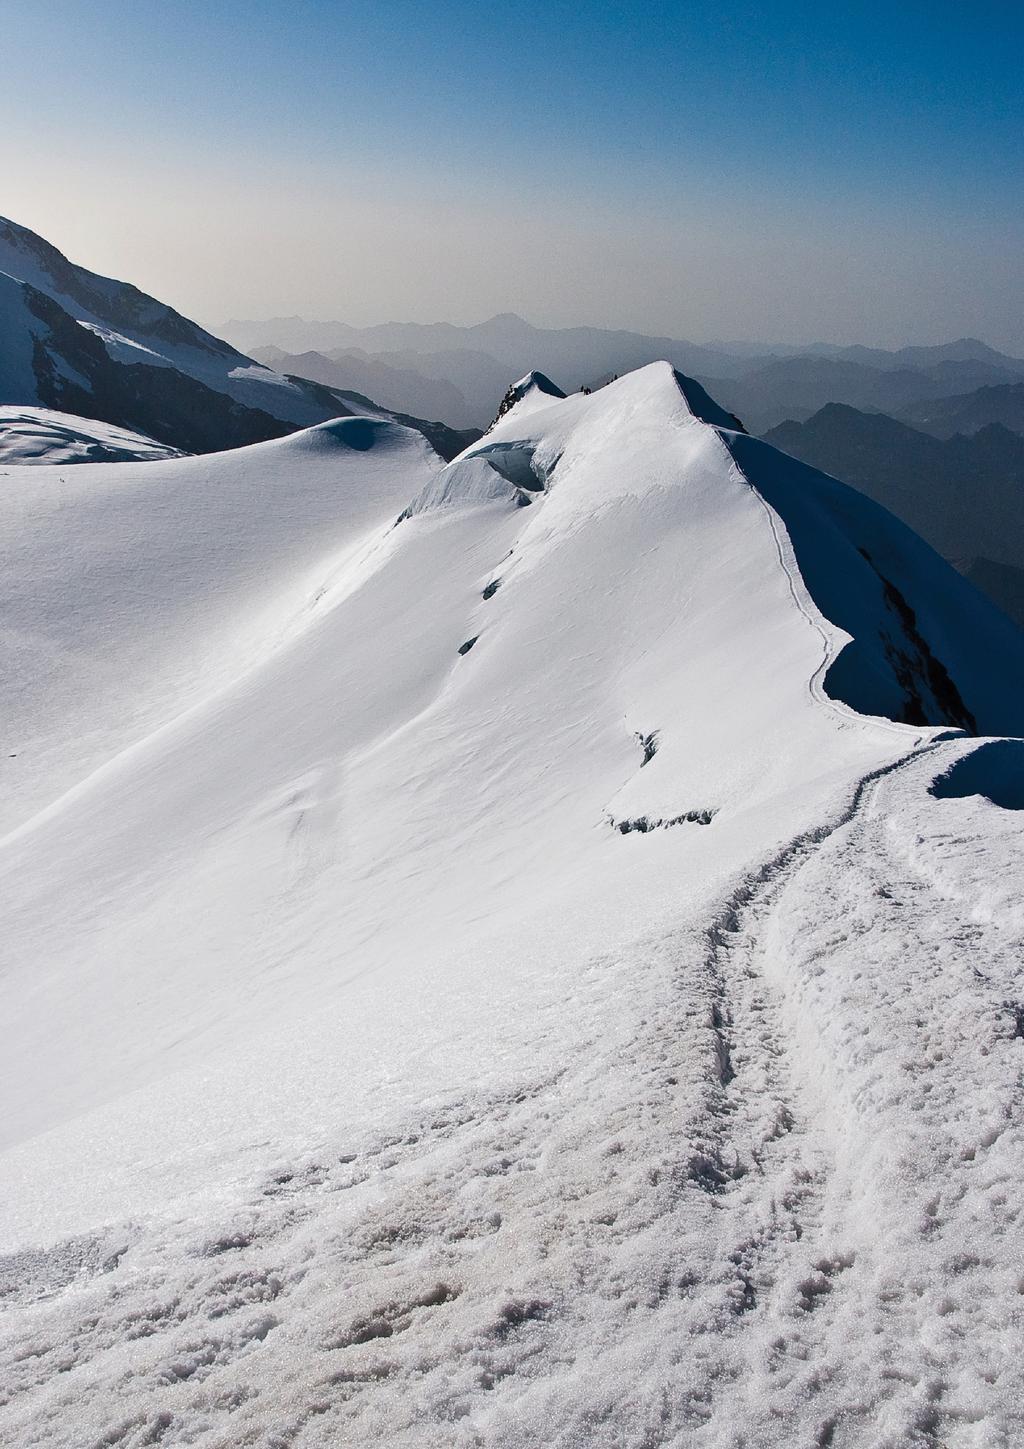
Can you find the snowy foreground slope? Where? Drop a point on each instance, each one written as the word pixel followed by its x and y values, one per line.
pixel 480 968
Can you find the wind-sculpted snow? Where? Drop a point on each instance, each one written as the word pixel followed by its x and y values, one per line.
pixel 40 435
pixel 130 594
pixel 365 1081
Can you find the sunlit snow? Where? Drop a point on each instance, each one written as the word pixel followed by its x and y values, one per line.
pixel 366 1084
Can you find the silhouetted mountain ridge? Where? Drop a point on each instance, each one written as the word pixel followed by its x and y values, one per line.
pixel 1002 403
pixel 764 384
pixel 796 387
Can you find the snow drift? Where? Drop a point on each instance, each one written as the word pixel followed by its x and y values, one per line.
pixel 40 435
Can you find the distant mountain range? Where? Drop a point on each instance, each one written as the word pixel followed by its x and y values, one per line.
pixel 969 412
pixel 462 372
pixel 478 362
pixel 796 387
pixel 964 494
pixel 936 434
pixel 396 386
pixel 575 353
pixel 77 343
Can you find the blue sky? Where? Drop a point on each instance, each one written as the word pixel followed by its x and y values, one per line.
pixel 787 170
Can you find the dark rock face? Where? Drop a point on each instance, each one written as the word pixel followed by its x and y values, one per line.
pixel 928 690
pixel 119 304
pixel 159 401
pixel 645 823
pixel 518 391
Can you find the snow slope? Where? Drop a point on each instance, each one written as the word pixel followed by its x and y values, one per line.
pixel 40 435
pixel 475 973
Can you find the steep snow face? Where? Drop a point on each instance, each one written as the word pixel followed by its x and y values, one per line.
pixel 40 435
pixel 138 329
pixel 912 620
pixel 417 915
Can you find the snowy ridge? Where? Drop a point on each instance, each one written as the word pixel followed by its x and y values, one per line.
pixel 394 1093
pixel 528 394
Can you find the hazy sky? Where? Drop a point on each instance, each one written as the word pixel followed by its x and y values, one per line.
pixel 786 170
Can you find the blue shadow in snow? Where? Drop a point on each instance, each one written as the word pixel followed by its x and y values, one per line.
pixel 995 770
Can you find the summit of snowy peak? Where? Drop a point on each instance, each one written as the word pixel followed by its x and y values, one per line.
pixel 656 384
pixel 662 384
pixel 535 387
pixel 533 406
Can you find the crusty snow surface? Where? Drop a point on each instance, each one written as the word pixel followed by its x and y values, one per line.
pixel 382 1065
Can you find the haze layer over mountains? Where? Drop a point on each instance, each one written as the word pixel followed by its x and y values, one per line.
pixel 510 950
pixel 764 385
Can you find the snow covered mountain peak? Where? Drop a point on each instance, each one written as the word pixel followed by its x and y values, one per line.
pixel 100 300
pixel 532 390
pixel 897 613
pixel 464 921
